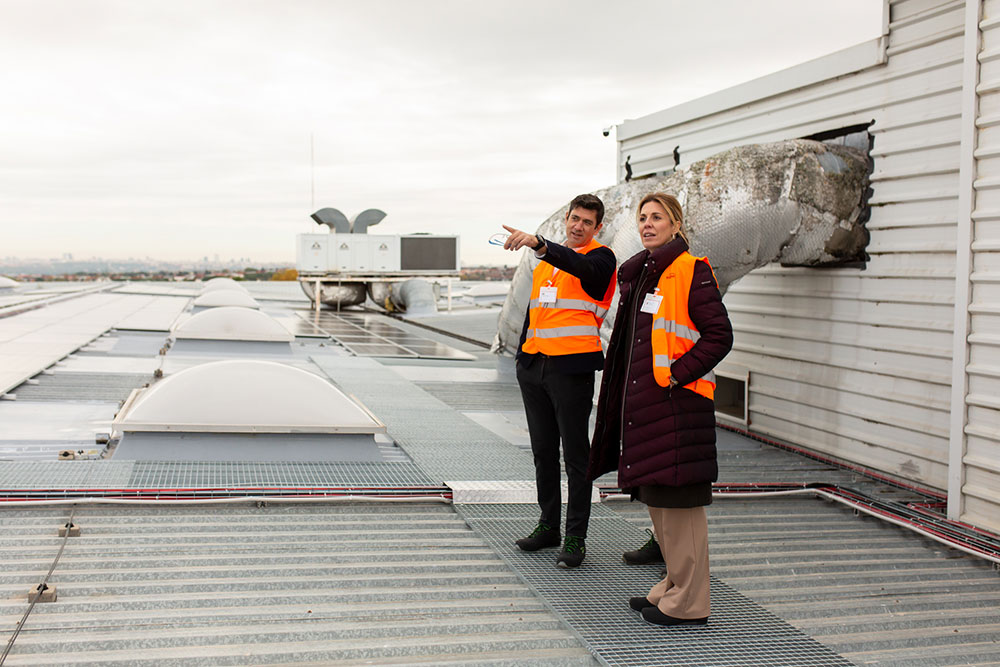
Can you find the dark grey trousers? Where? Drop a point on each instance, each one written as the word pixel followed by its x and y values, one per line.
pixel 557 407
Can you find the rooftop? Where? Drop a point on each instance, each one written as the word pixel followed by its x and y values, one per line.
pixel 405 555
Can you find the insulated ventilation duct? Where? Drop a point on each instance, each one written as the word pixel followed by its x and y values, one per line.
pixel 337 221
pixel 798 202
pixel 367 218
pixel 334 219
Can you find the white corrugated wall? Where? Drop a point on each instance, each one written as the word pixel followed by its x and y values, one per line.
pixel 981 480
pixel 857 363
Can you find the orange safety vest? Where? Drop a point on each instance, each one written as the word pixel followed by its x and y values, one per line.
pixel 571 323
pixel 673 331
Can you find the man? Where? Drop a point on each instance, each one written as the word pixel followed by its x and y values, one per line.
pixel 559 350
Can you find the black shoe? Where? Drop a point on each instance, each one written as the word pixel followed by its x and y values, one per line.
pixel 647 553
pixel 657 617
pixel 572 552
pixel 541 537
pixel 639 603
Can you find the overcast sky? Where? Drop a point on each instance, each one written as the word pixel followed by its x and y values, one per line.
pixel 182 129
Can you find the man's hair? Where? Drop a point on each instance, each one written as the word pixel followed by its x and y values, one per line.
pixel 589 202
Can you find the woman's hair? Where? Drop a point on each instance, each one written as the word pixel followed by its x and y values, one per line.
pixel 670 205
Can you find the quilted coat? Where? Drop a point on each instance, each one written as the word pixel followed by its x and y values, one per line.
pixel 658 435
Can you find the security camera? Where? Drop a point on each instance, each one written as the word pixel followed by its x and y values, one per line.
pixel 606 131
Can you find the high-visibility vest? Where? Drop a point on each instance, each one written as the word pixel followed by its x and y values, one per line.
pixel 571 323
pixel 673 331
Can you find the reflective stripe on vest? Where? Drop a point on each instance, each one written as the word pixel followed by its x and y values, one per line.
pixel 559 332
pixel 570 324
pixel 573 304
pixel 673 333
pixel 678 330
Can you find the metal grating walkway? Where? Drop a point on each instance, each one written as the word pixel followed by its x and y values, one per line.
pixel 593 601
pixel 444 443
pixel 113 387
pixel 116 475
pixel 148 474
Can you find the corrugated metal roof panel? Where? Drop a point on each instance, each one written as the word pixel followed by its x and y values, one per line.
pixel 242 585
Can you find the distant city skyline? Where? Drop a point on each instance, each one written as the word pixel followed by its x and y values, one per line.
pixel 189 129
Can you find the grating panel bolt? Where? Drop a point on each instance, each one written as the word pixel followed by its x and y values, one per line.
pixel 44 592
pixel 71 528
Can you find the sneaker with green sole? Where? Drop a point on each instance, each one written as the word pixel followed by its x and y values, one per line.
pixel 541 537
pixel 572 552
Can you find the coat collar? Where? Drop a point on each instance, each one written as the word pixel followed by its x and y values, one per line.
pixel 657 260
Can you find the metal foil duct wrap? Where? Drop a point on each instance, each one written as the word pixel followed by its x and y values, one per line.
pixel 798 202
pixel 336 294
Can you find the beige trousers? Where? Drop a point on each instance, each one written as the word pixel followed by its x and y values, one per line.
pixel 683 537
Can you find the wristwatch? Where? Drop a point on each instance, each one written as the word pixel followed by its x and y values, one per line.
pixel 541 243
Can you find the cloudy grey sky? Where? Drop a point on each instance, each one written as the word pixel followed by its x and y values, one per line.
pixel 182 129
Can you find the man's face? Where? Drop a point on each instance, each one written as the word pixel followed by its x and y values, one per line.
pixel 581 225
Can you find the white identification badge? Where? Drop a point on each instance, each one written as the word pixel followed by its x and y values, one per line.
pixel 547 295
pixel 651 303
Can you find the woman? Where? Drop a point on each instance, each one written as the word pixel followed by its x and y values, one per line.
pixel 656 413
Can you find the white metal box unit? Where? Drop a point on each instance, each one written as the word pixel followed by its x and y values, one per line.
pixel 311 252
pixel 411 254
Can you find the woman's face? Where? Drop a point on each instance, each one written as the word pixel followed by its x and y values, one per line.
pixel 656 228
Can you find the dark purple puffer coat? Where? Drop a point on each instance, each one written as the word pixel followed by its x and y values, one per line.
pixel 656 435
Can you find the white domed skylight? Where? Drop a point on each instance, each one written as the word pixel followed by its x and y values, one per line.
pixel 225 297
pixel 221 283
pixel 246 396
pixel 232 323
pixel 7 282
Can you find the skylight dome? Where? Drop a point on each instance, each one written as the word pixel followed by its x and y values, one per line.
pixel 232 323
pixel 246 396
pixel 7 282
pixel 221 283
pixel 225 297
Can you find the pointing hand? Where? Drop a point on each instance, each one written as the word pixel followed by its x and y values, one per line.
pixel 519 239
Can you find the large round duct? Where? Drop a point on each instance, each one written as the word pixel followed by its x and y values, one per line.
pixel 800 203
pixel 337 294
pixel 415 296
pixel 381 294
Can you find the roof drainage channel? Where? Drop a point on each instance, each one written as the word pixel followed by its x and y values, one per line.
pixel 593 601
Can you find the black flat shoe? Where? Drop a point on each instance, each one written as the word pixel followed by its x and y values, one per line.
pixel 657 617
pixel 639 603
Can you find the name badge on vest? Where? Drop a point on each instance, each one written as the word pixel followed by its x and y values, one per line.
pixel 651 303
pixel 547 295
